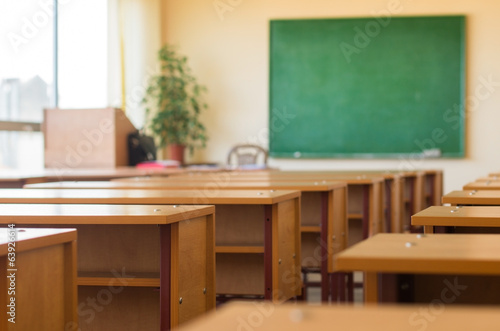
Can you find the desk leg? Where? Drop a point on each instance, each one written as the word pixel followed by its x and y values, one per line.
pixel 3 291
pixel 366 211
pixel 325 279
pixel 411 205
pixel 165 276
pixel 388 205
pixel 268 252
pixel 432 191
pixel 70 286
pixel 371 287
pixel 428 229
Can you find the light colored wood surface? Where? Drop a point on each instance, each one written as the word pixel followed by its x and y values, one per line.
pixel 144 196
pixel 127 308
pixel 204 186
pixel 486 185
pixel 494 174
pixel 240 220
pixel 421 188
pixel 28 239
pixel 236 228
pixel 119 253
pixel 192 300
pixel 99 214
pixel 17 179
pixel 366 192
pixel 267 317
pixel 96 174
pixel 430 254
pixel 468 216
pixel 45 288
pixel 86 138
pixel 62 173
pixel 372 209
pixel 472 197
pixel 486 179
pixel 470 254
pixel 274 176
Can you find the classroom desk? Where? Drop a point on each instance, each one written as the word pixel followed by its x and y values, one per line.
pixel 324 228
pixel 482 185
pixel 457 216
pixel 324 224
pixel 394 186
pixel 494 174
pixel 487 179
pixel 300 317
pixel 420 188
pixel 473 198
pixel 365 193
pixel 17 179
pixel 42 279
pixel 470 254
pixel 125 253
pixel 257 232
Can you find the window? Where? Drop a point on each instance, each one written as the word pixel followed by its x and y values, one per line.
pixel 31 70
pixel 83 54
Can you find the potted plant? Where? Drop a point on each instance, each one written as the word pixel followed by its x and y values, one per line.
pixel 173 105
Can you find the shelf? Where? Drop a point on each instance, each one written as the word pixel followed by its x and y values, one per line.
pixel 239 249
pixel 355 216
pixel 310 228
pixel 108 279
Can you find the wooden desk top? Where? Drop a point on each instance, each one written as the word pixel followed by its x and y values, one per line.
pixel 303 317
pixel 293 179
pixel 51 174
pixel 146 197
pixel 387 173
pixel 477 216
pixel 99 214
pixel 154 183
pixel 296 175
pixel 221 183
pixel 418 253
pixel 28 239
pixel 494 174
pixel 486 179
pixel 10 176
pixel 486 185
pixel 472 197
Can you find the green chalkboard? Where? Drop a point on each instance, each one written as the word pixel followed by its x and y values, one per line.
pixel 367 87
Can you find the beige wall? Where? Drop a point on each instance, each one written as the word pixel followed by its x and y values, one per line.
pixel 228 51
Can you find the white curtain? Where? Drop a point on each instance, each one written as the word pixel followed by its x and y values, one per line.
pixel 134 40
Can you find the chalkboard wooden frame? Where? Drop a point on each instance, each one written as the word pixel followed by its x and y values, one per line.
pixel 367 87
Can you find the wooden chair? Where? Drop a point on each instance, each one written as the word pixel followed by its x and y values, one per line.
pixel 247 155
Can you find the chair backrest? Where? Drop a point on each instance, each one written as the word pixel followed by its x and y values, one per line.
pixel 247 154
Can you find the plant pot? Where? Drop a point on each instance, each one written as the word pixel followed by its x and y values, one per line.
pixel 176 152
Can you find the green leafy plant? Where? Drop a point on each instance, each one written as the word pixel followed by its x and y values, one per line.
pixel 173 103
